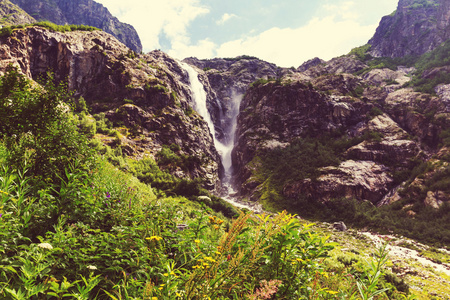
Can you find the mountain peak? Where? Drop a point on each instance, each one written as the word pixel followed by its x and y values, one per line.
pixel 416 27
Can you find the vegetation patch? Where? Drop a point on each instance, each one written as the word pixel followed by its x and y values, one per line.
pixel 7 31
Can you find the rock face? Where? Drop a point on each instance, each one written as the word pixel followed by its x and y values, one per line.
pixel 415 28
pixel 273 114
pixel 148 94
pixel 11 14
pixel 391 123
pixel 363 180
pixel 310 63
pixel 86 12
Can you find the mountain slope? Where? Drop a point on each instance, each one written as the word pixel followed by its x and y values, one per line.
pixel 147 96
pixel 11 14
pixel 82 12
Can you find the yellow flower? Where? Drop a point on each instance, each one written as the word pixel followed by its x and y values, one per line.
pixel 210 259
pixel 197 241
pixel 154 298
pixel 4 192
pixel 154 238
pixel 332 292
pixel 166 274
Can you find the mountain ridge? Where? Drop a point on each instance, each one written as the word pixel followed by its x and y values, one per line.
pixel 82 12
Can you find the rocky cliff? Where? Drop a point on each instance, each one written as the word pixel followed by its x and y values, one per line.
pixel 383 130
pixel 415 28
pixel 148 95
pixel 82 12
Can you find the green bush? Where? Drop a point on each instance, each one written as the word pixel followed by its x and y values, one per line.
pixel 38 128
pixel 103 125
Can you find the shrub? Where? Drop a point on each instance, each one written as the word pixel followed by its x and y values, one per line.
pixel 38 127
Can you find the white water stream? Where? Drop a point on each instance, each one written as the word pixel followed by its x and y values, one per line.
pixel 223 148
pixel 199 95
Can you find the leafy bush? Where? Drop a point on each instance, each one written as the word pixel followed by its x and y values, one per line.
pixel 38 128
pixel 103 125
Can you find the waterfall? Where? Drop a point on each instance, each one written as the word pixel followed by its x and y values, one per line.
pixel 223 147
pixel 200 107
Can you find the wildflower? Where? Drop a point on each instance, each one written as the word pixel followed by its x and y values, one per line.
pixel 4 192
pixel 154 298
pixel 166 274
pixel 210 259
pixel 154 238
pixel 331 292
pixel 91 267
pixel 45 246
pixel 197 241
pixel 108 195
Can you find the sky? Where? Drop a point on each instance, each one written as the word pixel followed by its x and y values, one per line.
pixel 284 32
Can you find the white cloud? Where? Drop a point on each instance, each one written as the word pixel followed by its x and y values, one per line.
pixel 325 37
pixel 152 18
pixel 203 49
pixel 225 18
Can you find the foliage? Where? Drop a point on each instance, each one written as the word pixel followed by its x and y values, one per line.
pixel 434 59
pixel 7 31
pixel 301 159
pixel 261 81
pixel 417 4
pixel 361 52
pixel 115 240
pixel 37 127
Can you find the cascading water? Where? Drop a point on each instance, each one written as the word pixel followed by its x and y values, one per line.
pixel 200 107
pixel 223 147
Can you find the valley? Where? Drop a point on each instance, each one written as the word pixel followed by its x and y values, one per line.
pixel 149 177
